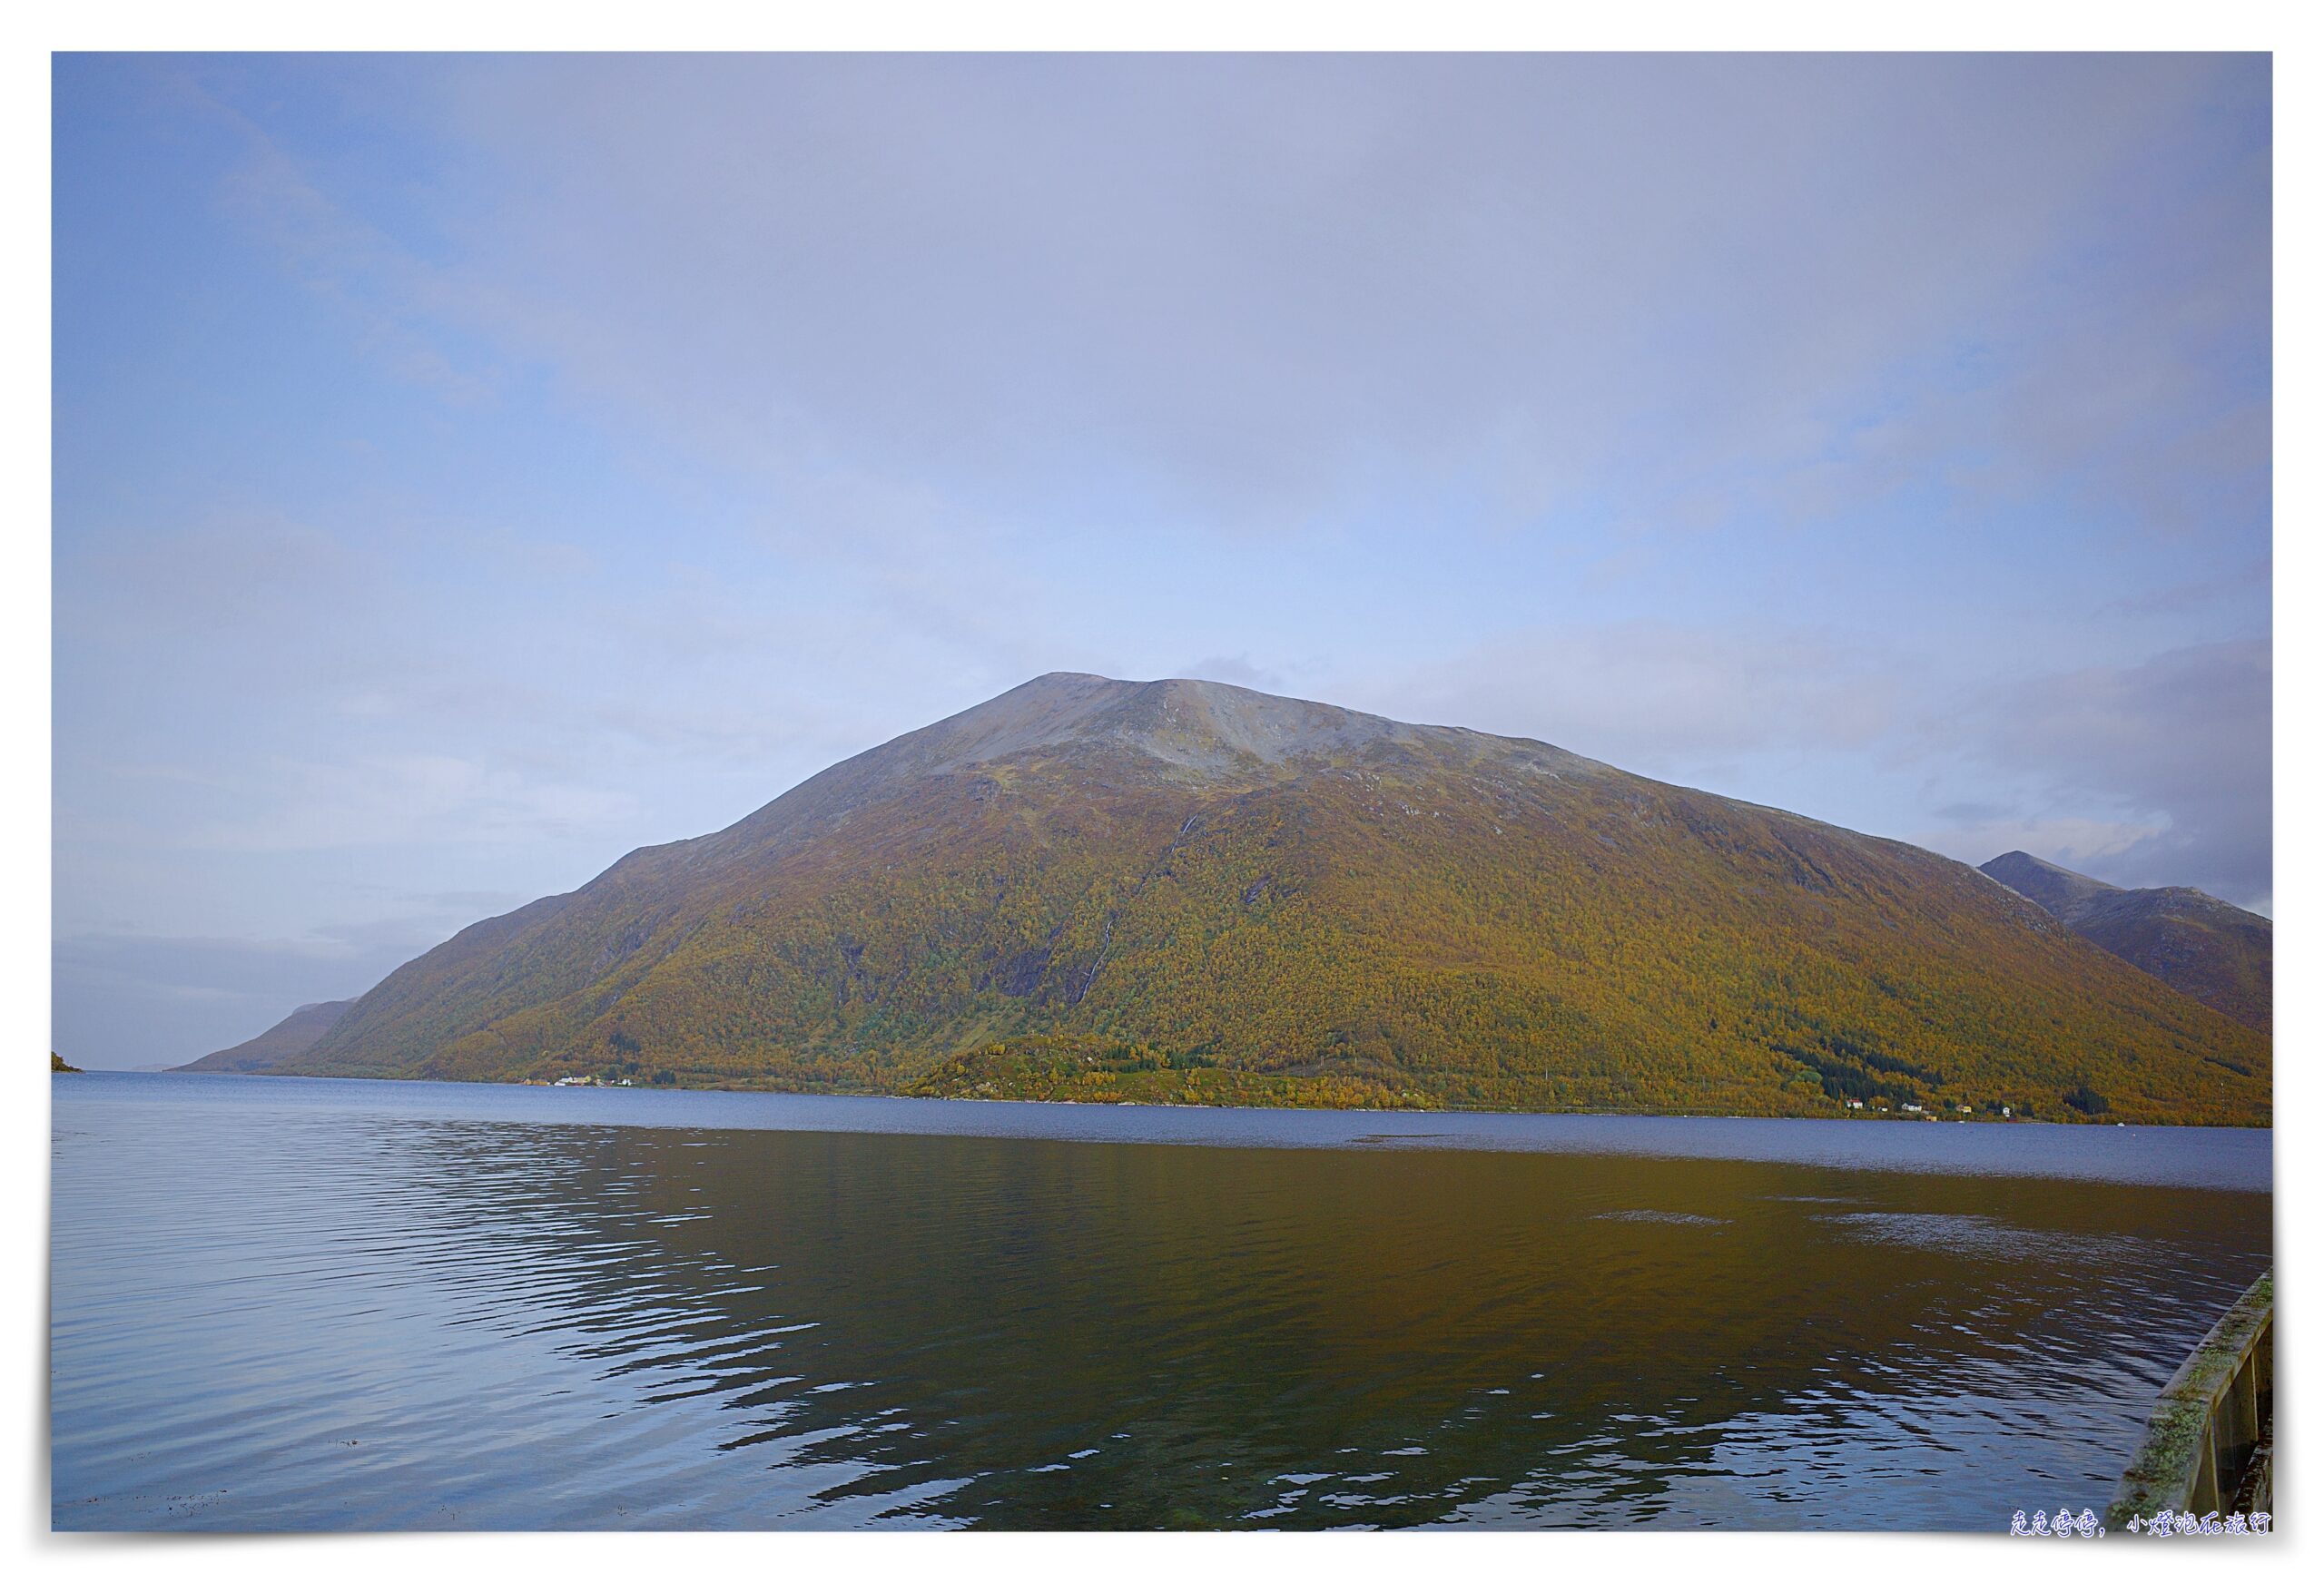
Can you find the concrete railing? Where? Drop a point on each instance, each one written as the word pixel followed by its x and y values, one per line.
pixel 2210 1445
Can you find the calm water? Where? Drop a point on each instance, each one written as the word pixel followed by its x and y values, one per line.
pixel 287 1303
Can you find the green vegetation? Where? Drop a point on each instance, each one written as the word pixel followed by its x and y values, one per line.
pixel 57 1063
pixel 2088 1100
pixel 1405 916
pixel 1092 1073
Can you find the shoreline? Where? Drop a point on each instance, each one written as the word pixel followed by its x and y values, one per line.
pixel 1978 1119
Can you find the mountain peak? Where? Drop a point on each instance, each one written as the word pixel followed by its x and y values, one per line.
pixel 2024 860
pixel 2193 941
pixel 1098 730
pixel 1181 727
pixel 2058 889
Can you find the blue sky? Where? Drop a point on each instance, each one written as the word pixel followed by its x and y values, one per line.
pixel 468 470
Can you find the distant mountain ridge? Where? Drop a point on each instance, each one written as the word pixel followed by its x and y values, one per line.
pixel 2199 945
pixel 294 1037
pixel 1095 889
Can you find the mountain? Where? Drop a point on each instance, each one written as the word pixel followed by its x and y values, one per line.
pixel 294 1037
pixel 1178 889
pixel 2199 945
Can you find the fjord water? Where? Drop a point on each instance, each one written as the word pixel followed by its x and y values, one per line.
pixel 293 1304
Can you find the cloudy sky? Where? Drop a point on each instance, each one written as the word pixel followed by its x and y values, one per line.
pixel 469 469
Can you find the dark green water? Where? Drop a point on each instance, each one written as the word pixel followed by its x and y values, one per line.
pixel 293 1304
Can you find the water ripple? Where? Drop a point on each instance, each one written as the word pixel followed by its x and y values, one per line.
pixel 270 1311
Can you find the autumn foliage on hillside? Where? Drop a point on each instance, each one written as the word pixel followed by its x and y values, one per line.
pixel 1454 921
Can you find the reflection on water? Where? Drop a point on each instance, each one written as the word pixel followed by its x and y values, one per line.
pixel 271 1314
